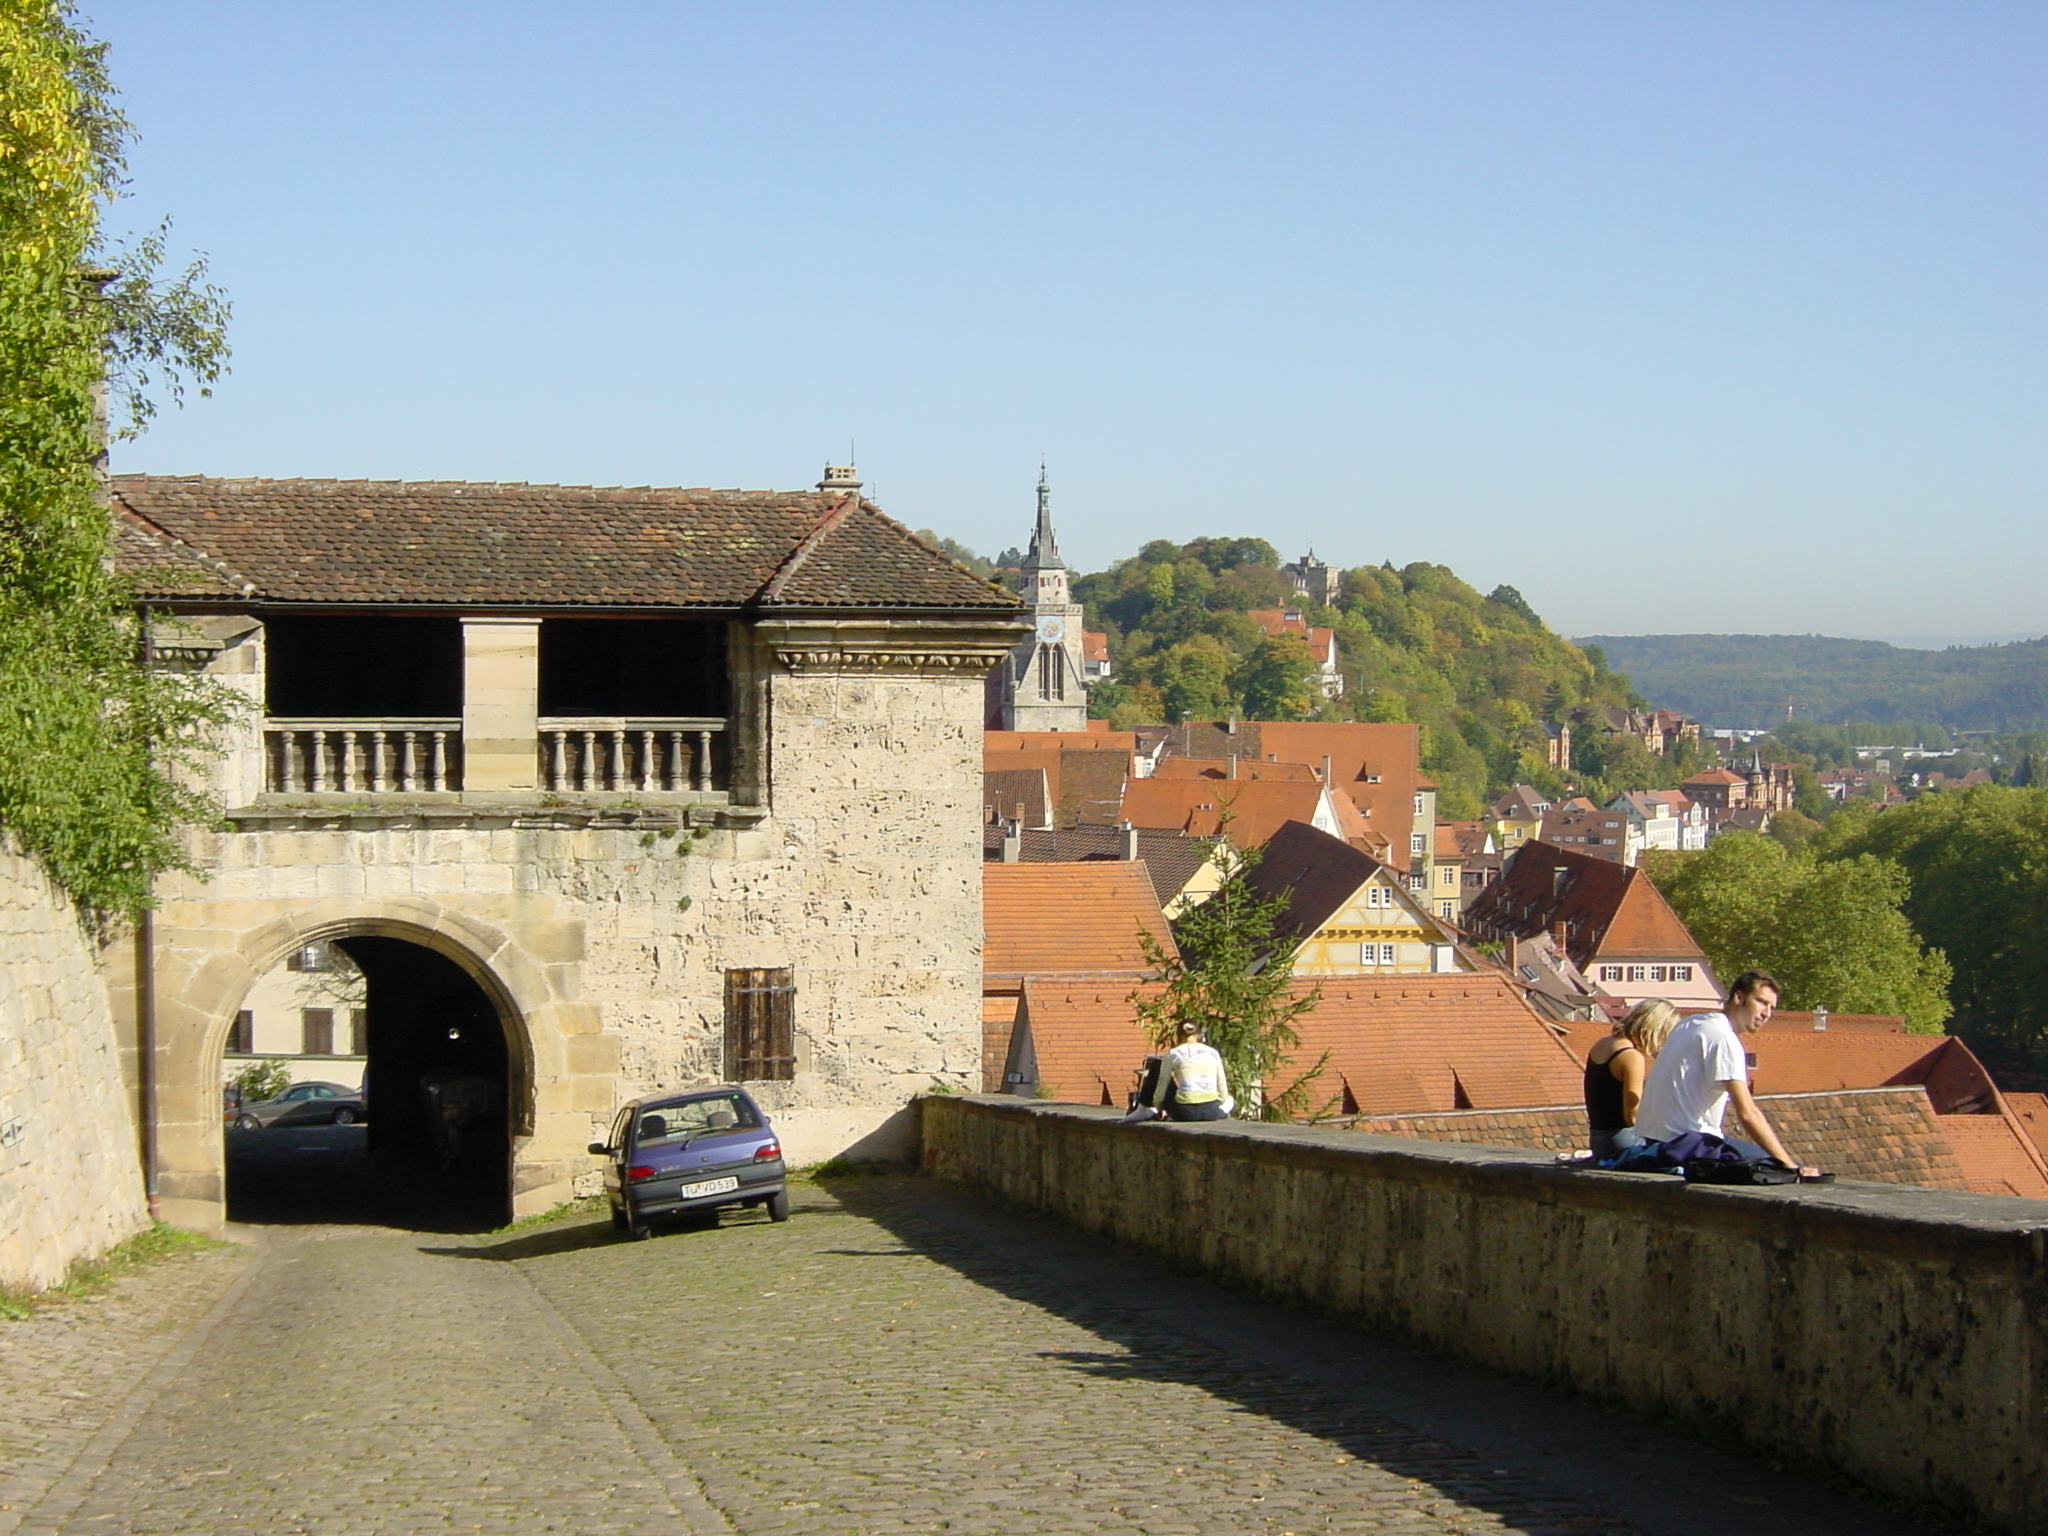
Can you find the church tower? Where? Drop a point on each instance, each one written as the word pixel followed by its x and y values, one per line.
pixel 1042 686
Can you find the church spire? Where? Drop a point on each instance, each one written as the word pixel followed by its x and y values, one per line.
pixel 1044 554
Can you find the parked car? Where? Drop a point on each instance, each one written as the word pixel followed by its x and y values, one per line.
pixel 304 1104
pixel 678 1153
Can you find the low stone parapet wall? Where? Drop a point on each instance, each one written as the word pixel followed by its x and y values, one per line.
pixel 1899 1335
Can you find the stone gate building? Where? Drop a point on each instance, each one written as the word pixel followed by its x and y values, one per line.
pixel 604 790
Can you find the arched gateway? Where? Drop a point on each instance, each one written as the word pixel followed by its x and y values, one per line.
pixel 617 756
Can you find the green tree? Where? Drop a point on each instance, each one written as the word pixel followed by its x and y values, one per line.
pixel 92 742
pixel 1834 933
pixel 1978 860
pixel 1225 969
pixel 1275 680
pixel 1193 679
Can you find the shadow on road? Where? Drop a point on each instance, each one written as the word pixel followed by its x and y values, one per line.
pixel 1319 1377
pixel 327 1175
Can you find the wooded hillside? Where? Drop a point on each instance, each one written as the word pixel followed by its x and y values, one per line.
pixel 1745 680
pixel 1477 672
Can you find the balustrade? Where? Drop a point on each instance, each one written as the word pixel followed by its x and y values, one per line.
pixel 314 757
pixel 581 755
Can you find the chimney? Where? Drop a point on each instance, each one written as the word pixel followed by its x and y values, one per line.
pixel 1557 937
pixel 1326 768
pixel 1511 952
pixel 841 478
pixel 1820 1018
pixel 1233 765
pixel 1013 841
pixel 1127 840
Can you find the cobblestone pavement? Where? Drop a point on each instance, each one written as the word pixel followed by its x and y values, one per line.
pixel 901 1357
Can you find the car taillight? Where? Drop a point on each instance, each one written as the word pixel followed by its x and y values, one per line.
pixel 770 1149
pixel 639 1172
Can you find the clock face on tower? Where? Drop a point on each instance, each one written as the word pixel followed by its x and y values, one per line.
pixel 1051 629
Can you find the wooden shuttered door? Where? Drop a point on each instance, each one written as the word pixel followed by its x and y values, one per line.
pixel 760 1025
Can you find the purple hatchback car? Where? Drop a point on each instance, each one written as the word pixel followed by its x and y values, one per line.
pixel 675 1153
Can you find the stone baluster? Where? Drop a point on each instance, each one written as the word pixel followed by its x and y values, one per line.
pixel 409 759
pixel 437 772
pixel 586 766
pixel 616 779
pixel 316 781
pixel 555 757
pixel 703 763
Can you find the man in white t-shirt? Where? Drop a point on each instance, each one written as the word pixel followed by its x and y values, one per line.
pixel 1702 1068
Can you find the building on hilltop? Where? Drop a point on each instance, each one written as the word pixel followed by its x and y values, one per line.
pixel 602 790
pixel 1315 580
pixel 1044 685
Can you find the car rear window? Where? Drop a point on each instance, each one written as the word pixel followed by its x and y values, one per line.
pixel 663 1123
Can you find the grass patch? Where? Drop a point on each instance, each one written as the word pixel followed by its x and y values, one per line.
pixel 86 1277
pixel 588 1205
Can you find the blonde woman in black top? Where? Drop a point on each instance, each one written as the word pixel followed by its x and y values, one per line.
pixel 1615 1070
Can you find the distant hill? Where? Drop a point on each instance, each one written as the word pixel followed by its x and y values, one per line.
pixel 1743 680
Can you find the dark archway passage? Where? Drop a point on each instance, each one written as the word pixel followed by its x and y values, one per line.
pixel 435 1154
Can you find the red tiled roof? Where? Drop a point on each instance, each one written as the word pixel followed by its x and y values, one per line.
pixel 1042 919
pixel 2030 1113
pixel 1260 808
pixel 1996 1155
pixel 481 545
pixel 1716 776
pixel 1811 1063
pixel 1408 1043
pixel 1090 740
pixel 1791 1021
pixel 1610 911
pixel 1085 785
pixel 1085 1039
pixel 1170 859
pixel 1222 768
pixel 1018 794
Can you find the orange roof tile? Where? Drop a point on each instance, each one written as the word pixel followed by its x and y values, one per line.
pixel 1195 806
pixel 1716 776
pixel 1085 1039
pixel 1812 1063
pixel 1609 910
pixel 1090 740
pixel 1410 1043
pixel 2030 1113
pixel 1042 919
pixel 1996 1155
pixel 1791 1021
pixel 1244 770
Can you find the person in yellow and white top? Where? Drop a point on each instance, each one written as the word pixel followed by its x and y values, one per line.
pixel 1201 1090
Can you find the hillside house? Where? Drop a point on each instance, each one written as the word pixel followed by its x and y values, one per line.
pixel 1609 918
pixel 1348 914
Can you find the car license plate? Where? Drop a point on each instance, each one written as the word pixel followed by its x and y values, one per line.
pixel 707 1187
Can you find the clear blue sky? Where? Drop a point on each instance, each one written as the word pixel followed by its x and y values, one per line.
pixel 1701 316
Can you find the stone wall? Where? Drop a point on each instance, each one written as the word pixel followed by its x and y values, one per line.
pixel 70 1171
pixel 1897 1335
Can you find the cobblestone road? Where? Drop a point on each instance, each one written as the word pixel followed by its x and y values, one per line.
pixel 899 1358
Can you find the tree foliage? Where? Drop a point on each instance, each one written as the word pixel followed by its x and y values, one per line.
pixel 1478 673
pixel 1833 932
pixel 92 742
pixel 1978 861
pixel 1225 971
